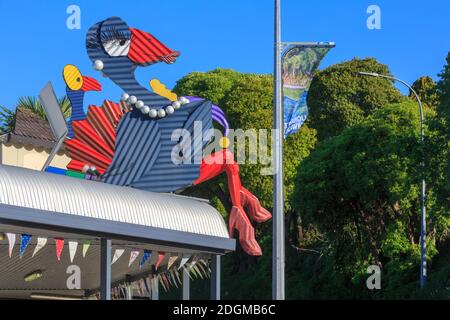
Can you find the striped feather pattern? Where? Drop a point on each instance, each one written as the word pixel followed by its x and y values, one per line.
pixel 137 148
pixel 98 119
pixel 95 137
pixel 165 175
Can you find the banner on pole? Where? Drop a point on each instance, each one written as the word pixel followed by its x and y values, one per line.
pixel 299 62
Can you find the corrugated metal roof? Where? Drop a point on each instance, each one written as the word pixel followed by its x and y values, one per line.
pixel 60 194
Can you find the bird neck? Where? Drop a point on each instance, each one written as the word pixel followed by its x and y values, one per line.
pixel 76 99
pixel 130 85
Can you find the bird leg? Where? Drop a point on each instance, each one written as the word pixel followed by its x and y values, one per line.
pixel 223 161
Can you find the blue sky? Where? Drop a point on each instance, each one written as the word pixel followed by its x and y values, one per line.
pixel 238 34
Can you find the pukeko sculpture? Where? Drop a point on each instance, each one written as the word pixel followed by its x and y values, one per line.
pixel 131 143
pixel 76 86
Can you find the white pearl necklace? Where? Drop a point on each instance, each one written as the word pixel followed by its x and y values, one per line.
pixel 153 113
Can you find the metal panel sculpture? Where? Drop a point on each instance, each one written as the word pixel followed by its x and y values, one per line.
pixel 76 86
pixel 129 143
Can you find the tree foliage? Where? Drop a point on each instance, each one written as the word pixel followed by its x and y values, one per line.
pixel 426 89
pixel 361 189
pixel 353 197
pixel 441 153
pixel 247 100
pixel 338 98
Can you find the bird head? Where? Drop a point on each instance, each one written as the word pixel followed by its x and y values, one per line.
pixel 76 82
pixel 113 45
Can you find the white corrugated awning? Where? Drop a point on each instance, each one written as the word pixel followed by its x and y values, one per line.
pixel 121 210
pixel 50 192
pixel 56 206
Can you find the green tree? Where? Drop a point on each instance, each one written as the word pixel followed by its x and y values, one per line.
pixel 426 88
pixel 338 98
pixel 361 189
pixel 247 100
pixel 8 116
pixel 441 154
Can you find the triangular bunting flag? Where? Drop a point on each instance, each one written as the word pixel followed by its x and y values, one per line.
pixel 194 260
pixel 24 241
pixel 137 286
pixel 186 269
pixel 197 271
pixel 147 286
pixel 117 254
pixel 41 242
pixel 193 270
pixel 59 246
pixel 172 275
pixel 171 261
pixel 86 245
pixel 166 280
pixel 162 282
pixel 177 274
pixel 184 259
pixel 133 255
pixel 11 241
pixel 201 267
pixel 143 287
pixel 145 257
pixel 73 245
pixel 160 259
pixel 168 277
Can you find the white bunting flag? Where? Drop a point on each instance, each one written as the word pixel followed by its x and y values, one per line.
pixel 73 245
pixel 117 254
pixel 171 261
pixel 41 242
pixel 194 261
pixel 133 255
pixel 184 259
pixel 12 242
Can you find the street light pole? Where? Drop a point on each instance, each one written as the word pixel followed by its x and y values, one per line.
pixel 278 288
pixel 423 224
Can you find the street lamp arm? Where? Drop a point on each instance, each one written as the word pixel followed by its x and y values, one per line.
pixel 423 225
pixel 377 75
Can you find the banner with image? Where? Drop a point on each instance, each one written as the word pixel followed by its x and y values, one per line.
pixel 299 62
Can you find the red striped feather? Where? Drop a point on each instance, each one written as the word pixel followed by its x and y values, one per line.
pixel 95 137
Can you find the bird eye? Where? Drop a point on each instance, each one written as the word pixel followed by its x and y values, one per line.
pixel 117 47
pixel 72 77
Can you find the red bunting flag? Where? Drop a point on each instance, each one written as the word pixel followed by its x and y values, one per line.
pixel 161 256
pixel 59 244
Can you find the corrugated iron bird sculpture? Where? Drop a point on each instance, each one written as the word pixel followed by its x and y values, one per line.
pixel 131 143
pixel 76 86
